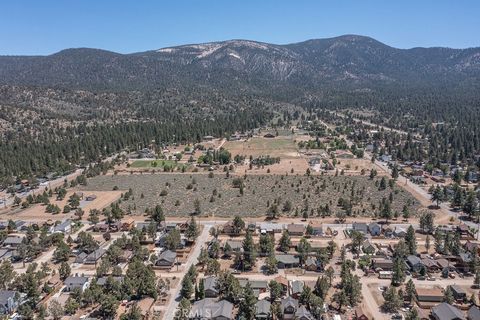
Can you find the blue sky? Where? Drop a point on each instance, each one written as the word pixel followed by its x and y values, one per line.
pixel 45 26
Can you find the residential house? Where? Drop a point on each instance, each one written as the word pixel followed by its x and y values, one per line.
pixel 360 314
pixel 312 264
pixel 303 314
pixel 271 228
pixel 415 263
pixel 80 258
pixel 211 309
pixel 258 286
pixel 434 294
pixel 399 232
pixel 235 245
pixel 229 228
pixel 94 256
pixel 317 230
pixel 360 227
pixel 103 280
pixel 295 230
pixel 296 288
pixel 6 254
pixel 289 307
pixel 210 285
pixel 472 246
pixel 284 282
pixel 430 264
pixel 9 301
pixel 463 261
pixel 444 264
pixel 464 231
pixel 375 229
pixel 262 309
pixel 473 313
pixel 13 241
pixel 286 261
pixel 64 227
pixel 445 311
pixel 166 259
pixel 368 247
pixel 73 282
pixel 387 232
pixel 458 293
pixel 382 263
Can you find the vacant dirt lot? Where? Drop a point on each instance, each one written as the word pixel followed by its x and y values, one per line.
pixel 217 196
pixel 281 146
pixel 37 212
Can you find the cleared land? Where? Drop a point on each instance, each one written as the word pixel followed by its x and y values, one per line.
pixel 160 164
pixel 37 212
pixel 217 196
pixel 281 146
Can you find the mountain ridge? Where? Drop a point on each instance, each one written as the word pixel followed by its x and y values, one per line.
pixel 348 61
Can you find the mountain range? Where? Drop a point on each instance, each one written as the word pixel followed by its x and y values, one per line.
pixel 349 62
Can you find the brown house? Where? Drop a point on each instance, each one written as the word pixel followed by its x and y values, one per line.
pixel 434 294
pixel 360 314
pixel 295 229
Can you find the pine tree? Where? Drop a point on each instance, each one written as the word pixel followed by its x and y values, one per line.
pixel 247 305
pixel 411 241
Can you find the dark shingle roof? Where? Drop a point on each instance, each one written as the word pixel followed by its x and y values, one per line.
pixel 445 311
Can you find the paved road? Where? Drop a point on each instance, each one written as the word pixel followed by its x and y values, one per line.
pixel 192 260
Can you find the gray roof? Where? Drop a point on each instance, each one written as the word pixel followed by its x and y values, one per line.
pixel 289 301
pixel 254 284
pixel 76 280
pixel 474 313
pixel 263 307
pixel 210 283
pixel 287 258
pixel 465 257
pixel 457 289
pixel 215 309
pixel 445 311
pixel 311 261
pixel 297 286
pixel 62 226
pixel 168 256
pixel 13 240
pixel 413 260
pixel 361 227
pixel 235 244
pixel 103 280
pixel 303 313
pixel 373 225
pixel 95 255
pixel 5 295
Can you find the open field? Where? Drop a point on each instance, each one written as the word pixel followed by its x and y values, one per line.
pixel 37 212
pixel 218 197
pixel 281 146
pixel 159 164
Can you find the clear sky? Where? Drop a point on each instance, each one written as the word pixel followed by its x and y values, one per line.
pixel 46 26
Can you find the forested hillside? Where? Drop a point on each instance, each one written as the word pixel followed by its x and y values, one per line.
pixel 79 105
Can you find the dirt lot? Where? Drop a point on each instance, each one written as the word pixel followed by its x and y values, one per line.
pixel 281 146
pixel 354 166
pixel 218 197
pixel 37 212
pixel 299 165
